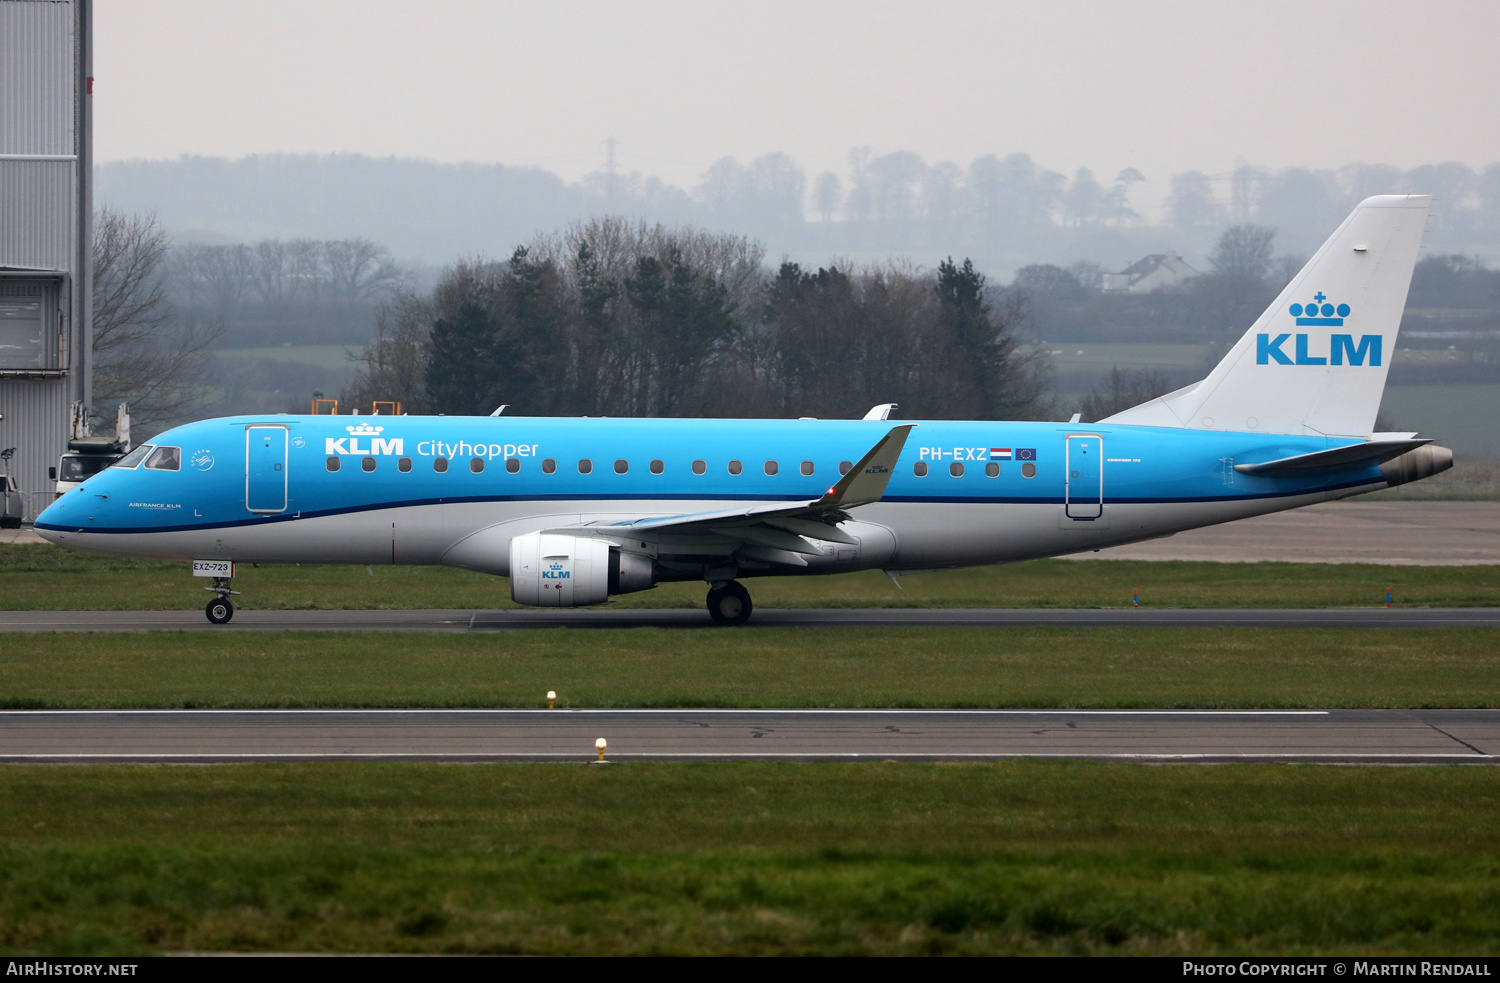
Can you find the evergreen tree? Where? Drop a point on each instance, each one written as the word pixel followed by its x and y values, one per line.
pixel 461 366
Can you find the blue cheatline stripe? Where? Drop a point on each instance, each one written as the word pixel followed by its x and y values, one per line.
pixel 261 520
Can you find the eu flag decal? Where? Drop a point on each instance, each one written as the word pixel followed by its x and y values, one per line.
pixel 1025 453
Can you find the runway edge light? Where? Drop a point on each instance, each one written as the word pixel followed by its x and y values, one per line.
pixel 600 745
pixel 551 700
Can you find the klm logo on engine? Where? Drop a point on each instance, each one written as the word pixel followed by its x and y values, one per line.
pixel 350 444
pixel 1367 351
pixel 555 571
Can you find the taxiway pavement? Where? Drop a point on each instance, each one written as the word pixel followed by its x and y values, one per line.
pixel 1439 534
pixel 512 620
pixel 209 736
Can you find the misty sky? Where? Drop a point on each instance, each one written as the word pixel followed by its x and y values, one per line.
pixel 1160 85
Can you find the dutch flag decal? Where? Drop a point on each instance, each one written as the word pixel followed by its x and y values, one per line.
pixel 1000 453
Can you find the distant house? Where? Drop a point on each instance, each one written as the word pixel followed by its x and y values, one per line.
pixel 1151 273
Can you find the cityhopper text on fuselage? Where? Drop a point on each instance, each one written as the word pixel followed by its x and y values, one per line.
pixel 575 511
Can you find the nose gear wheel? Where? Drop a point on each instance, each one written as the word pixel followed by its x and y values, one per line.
pixel 219 610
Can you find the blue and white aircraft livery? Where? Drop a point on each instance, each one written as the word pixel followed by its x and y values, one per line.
pixel 576 510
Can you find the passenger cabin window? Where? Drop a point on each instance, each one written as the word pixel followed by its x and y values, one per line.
pixel 844 467
pixel 699 467
pixel 735 467
pixel 956 469
pixel 807 467
pixel 165 459
pixel 439 464
pixel 135 457
pixel 992 469
pixel 919 469
pixel 549 466
pixel 772 467
pixel 657 467
pixel 368 464
pixel 1028 470
pixel 513 465
pixel 476 465
pixel 585 466
pixel 621 466
pixel 403 465
pixel 333 463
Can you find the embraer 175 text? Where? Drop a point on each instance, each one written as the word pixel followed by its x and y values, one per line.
pixel 576 510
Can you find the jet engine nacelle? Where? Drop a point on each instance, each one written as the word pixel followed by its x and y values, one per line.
pixel 556 571
pixel 1421 462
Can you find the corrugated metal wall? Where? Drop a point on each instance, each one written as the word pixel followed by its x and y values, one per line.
pixel 40 137
pixel 38 209
pixel 37 51
pixel 32 409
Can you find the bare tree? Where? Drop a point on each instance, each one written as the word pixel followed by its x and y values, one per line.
pixel 1120 389
pixel 1244 252
pixel 360 269
pixel 828 192
pixel 394 364
pixel 142 352
pixel 1191 202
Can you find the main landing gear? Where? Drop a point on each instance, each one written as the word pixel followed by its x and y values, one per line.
pixel 220 610
pixel 729 603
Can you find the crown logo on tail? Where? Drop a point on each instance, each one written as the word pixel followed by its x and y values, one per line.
pixel 1319 313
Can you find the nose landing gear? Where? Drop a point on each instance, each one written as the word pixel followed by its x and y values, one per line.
pixel 729 603
pixel 220 610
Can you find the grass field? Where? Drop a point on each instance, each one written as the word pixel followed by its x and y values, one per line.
pixel 44 578
pixel 1088 357
pixel 1101 357
pixel 1460 416
pixel 760 667
pixel 1013 857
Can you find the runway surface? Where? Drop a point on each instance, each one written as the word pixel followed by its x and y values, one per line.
pixel 213 736
pixel 1438 534
pixel 489 621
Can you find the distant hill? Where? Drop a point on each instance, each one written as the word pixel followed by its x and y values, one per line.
pixel 423 210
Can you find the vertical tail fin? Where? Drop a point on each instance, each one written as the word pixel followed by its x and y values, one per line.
pixel 1315 362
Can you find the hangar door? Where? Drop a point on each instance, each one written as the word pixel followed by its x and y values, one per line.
pixel 29 327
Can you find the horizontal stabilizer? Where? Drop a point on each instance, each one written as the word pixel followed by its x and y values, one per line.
pixel 1334 459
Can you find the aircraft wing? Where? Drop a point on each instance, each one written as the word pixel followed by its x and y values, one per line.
pixel 778 533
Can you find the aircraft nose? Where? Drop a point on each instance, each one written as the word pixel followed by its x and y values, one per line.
pixel 50 518
pixel 73 512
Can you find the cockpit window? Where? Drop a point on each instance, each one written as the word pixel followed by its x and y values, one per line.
pixel 165 459
pixel 135 457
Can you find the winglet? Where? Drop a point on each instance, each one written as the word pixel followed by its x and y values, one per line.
pixel 866 481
